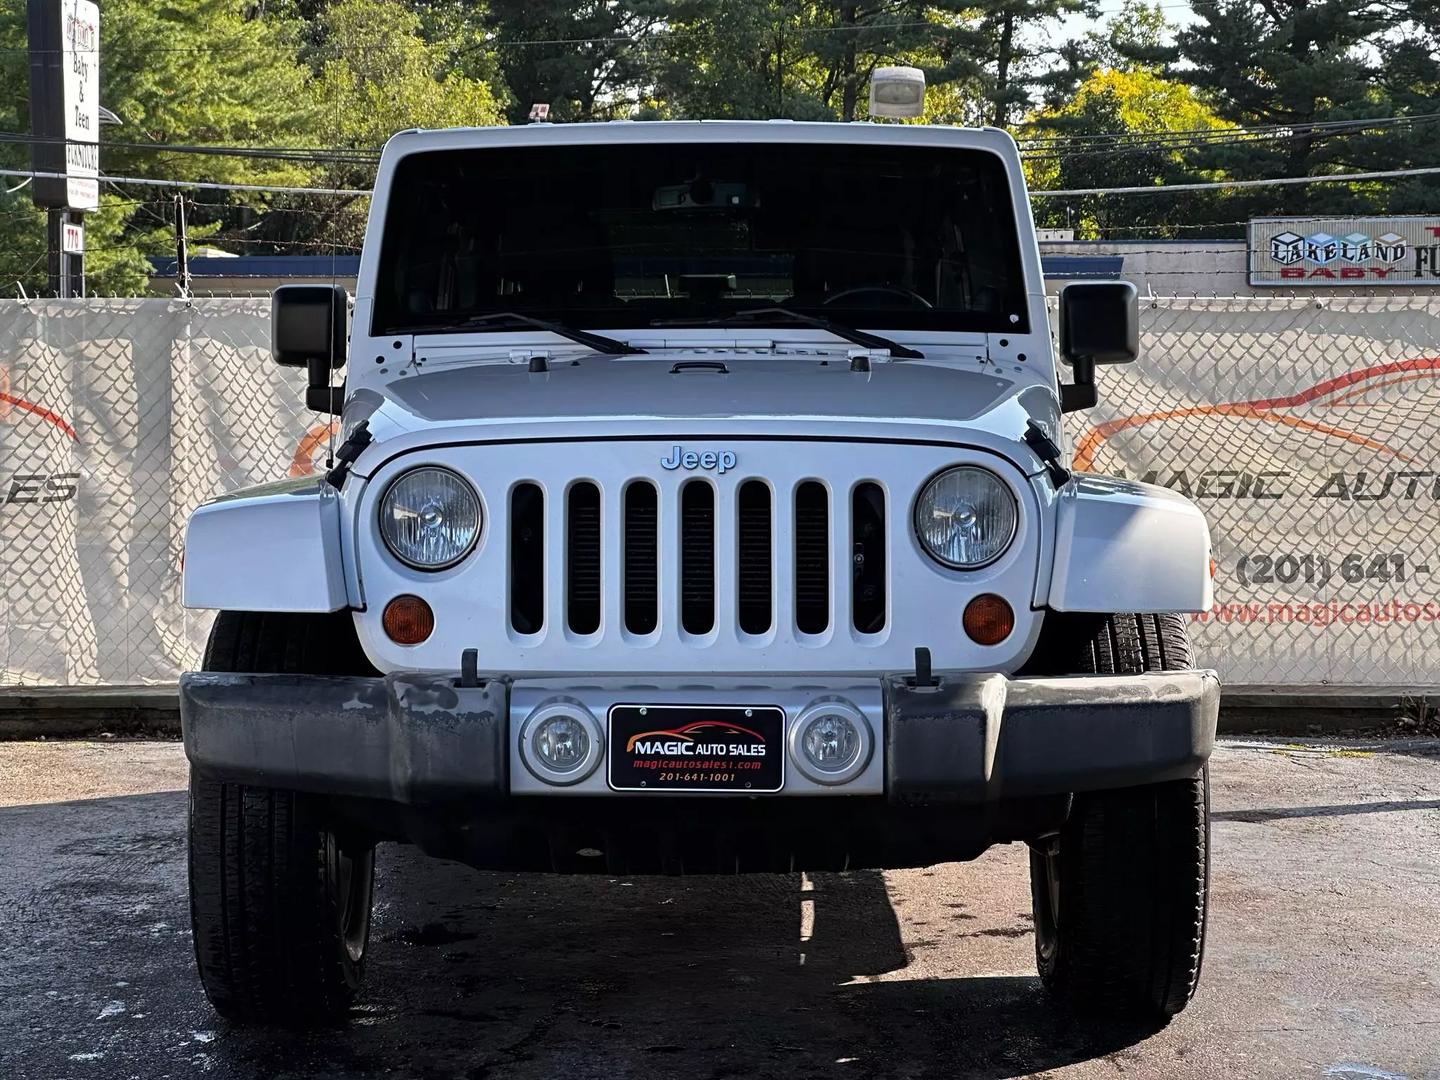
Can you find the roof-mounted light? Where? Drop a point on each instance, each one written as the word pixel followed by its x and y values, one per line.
pixel 897 92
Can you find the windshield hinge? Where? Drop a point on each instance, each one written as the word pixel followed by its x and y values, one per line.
pixel 349 450
pixel 1045 449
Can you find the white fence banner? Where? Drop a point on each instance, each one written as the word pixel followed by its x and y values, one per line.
pixel 1306 431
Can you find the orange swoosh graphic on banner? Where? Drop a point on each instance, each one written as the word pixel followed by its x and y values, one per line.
pixel 1262 409
pixel 682 732
pixel 40 411
pixel 1344 399
pixel 302 462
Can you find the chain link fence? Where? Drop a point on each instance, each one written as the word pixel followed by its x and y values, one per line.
pixel 1303 427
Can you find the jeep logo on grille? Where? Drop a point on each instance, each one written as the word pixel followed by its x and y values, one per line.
pixel 722 461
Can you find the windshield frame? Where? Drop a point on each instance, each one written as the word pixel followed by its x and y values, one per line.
pixel 1015 316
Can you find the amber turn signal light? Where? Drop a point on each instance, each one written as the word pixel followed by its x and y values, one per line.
pixel 988 619
pixel 408 620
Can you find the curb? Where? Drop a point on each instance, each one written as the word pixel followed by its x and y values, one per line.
pixel 72 712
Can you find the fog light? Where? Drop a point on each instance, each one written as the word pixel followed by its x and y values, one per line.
pixel 988 619
pixel 408 620
pixel 831 742
pixel 560 742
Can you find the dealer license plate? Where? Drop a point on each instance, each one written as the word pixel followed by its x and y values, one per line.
pixel 736 748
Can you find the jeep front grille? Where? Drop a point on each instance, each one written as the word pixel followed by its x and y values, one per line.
pixel 754 588
pixel 812 558
pixel 582 577
pixel 697 557
pixel 527 559
pixel 641 588
pixel 747 577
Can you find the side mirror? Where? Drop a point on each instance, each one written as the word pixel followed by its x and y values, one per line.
pixel 308 329
pixel 1099 324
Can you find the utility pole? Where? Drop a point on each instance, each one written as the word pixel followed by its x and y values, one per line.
pixel 66 235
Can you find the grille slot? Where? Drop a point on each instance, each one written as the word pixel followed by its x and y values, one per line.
pixel 697 557
pixel 527 559
pixel 582 599
pixel 755 587
pixel 812 558
pixel 642 568
pixel 867 555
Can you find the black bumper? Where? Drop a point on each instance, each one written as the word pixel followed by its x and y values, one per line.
pixel 972 739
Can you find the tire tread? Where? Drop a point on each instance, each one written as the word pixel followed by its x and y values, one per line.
pixel 262 904
pixel 1134 863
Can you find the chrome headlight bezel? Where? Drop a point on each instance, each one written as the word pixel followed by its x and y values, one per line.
pixel 383 516
pixel 1005 492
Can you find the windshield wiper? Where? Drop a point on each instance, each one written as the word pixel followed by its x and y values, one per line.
pixel 601 344
pixel 840 330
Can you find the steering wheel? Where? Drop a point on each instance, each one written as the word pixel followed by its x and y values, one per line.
pixel 910 296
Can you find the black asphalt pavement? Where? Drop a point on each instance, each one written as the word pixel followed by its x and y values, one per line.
pixel 1324 954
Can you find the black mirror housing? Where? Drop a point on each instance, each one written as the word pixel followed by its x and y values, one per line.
pixel 308 329
pixel 1099 324
pixel 308 324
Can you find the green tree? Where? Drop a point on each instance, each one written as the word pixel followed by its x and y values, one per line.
pixel 1018 53
pixel 1292 64
pixel 1097 140
pixel 377 74
pixel 782 58
pixel 204 74
pixel 587 61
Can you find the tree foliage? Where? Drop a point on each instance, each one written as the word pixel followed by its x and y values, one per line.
pixel 332 79
pixel 1098 142
pixel 1298 63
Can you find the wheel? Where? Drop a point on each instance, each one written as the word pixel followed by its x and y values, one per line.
pixel 280 899
pixel 1120 895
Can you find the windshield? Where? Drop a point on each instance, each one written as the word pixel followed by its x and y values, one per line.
pixel 628 234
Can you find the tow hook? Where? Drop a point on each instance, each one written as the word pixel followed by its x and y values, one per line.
pixel 924 674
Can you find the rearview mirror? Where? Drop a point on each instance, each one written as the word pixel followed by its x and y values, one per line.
pixel 1099 324
pixel 308 329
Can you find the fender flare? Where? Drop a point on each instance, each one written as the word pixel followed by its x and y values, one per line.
pixel 1126 546
pixel 275 547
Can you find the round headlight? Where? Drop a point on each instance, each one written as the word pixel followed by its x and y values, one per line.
pixel 430 518
pixel 965 518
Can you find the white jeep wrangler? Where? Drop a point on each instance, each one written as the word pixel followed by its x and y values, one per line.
pixel 701 506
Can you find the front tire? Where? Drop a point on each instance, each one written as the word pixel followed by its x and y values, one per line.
pixel 1120 894
pixel 280 900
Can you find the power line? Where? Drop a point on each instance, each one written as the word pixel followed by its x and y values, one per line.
pixel 1313 126
pixel 1142 146
pixel 337 155
pixel 200 185
pixel 1161 189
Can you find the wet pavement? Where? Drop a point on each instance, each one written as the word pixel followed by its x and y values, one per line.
pixel 1324 955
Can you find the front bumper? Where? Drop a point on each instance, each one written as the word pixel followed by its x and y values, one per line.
pixel 973 738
